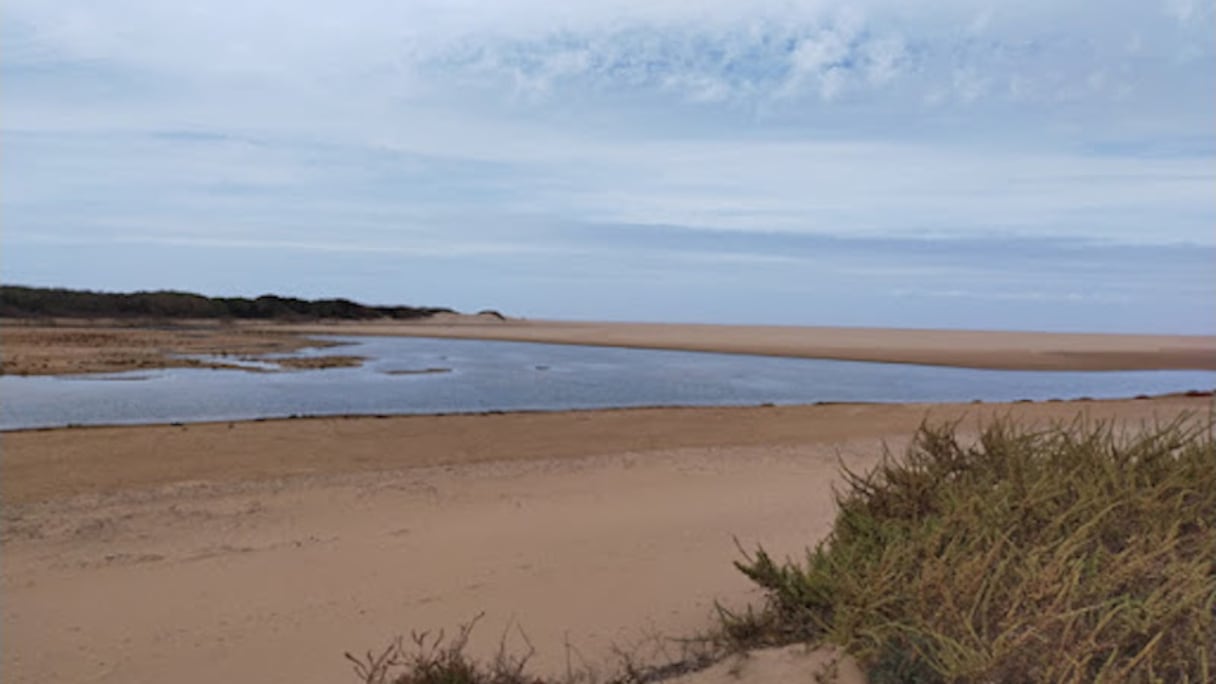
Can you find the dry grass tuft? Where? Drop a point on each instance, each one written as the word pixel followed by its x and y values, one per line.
pixel 434 659
pixel 1074 554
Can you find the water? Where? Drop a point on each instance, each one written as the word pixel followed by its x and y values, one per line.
pixel 411 375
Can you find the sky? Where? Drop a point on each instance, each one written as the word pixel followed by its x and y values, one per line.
pixel 1039 165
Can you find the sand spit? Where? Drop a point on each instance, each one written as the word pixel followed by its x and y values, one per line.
pixel 974 349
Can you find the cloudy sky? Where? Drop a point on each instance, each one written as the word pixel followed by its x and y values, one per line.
pixel 1035 165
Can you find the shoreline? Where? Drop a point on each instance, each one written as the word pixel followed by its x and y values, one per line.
pixel 77 347
pixel 1188 394
pixel 93 458
pixel 107 346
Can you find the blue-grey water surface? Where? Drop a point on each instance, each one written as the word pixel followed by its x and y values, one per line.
pixel 503 376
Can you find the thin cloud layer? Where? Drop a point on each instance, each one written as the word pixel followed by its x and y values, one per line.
pixel 512 131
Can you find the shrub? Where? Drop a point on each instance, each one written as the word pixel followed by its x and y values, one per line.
pixel 1074 554
pixel 39 302
pixel 432 659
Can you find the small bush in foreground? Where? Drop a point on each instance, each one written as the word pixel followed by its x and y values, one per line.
pixel 434 659
pixel 1073 554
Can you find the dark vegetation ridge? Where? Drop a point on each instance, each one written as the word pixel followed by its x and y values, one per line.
pixel 36 302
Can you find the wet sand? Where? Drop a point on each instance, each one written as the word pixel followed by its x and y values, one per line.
pixel 261 551
pixel 71 347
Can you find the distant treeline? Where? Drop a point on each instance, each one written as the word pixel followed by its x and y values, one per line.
pixel 25 302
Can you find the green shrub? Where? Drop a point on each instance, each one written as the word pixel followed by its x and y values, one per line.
pixel 40 302
pixel 1074 554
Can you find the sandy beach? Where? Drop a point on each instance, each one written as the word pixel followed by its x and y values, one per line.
pixel 261 551
pixel 964 348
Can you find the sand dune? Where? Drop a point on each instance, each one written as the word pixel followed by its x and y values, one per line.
pixel 261 551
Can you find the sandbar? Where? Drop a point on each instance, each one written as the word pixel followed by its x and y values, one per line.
pixel 960 348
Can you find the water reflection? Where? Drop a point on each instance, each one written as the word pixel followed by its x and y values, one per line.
pixel 410 375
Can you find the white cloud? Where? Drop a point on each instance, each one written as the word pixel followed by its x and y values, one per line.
pixel 884 59
pixel 969 85
pixel 416 50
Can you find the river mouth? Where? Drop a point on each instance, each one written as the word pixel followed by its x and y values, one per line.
pixel 394 375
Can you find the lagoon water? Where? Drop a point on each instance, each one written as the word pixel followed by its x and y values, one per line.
pixel 476 376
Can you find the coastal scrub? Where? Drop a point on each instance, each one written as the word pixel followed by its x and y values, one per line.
pixel 1073 554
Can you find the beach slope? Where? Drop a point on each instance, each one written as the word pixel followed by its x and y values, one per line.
pixel 261 551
